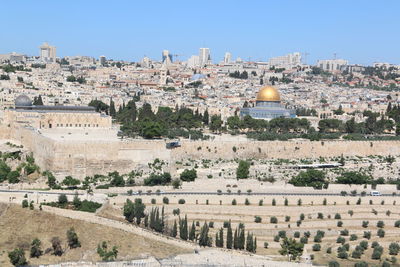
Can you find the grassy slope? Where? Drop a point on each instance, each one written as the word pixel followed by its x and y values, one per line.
pixel 18 227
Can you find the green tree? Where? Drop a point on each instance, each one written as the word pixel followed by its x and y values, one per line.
pixel 36 250
pixel 174 231
pixel 229 237
pixel 310 177
pixel 204 239
pixel 134 210
pixel 105 253
pixel 192 232
pixel 291 248
pixel 17 257
pixel 72 238
pixel 113 111
pixel 188 175
pixel 242 172
pixel 216 123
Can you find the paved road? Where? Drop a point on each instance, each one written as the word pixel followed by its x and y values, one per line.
pixel 196 193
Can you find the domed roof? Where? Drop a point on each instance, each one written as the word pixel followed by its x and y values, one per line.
pixel 268 93
pixel 23 101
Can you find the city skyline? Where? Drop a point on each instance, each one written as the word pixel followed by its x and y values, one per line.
pixel 361 32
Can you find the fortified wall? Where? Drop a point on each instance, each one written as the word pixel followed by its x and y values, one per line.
pixel 88 157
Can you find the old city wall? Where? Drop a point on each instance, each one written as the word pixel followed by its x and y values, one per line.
pixel 86 158
pixel 284 149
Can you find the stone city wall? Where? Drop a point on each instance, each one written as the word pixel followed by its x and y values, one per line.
pixel 86 158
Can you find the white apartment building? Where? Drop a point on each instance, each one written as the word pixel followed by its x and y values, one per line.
pixel 204 56
pixel 227 58
pixel 193 61
pixel 47 53
pixel 288 61
pixel 332 64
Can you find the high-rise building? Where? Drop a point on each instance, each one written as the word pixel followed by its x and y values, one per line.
pixel 204 56
pixel 193 61
pixel 227 58
pixel 47 53
pixel 102 60
pixel 332 64
pixel 288 61
pixel 166 57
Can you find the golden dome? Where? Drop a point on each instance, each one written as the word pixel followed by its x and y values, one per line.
pixel 268 93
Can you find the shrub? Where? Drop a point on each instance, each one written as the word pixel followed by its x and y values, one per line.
pixel 273 219
pixel 17 257
pixel 181 201
pixel 380 224
pixel 317 239
pixel 307 234
pixel 356 254
pixel 304 240
pixel 377 253
pixel 72 237
pixel 153 201
pixel 302 216
pixel 361 264
pixel 273 202
pixel 266 244
pixel 242 171
pixel 342 255
pixel 329 250
pixel 287 218
pixel 298 223
pixel 276 238
pixel 299 202
pixel 247 202
pixel 340 240
pixel 365 224
pixel 394 248
pixel 381 233
pixel 333 264
pixel 353 237
pixel 337 216
pixel 234 202
pixel 367 235
pixel 188 175
pixel 320 215
pixel 62 199
pixel 176 212
pixel 165 200
pixel 397 224
pixel 286 202
pixel 25 203
pixel 374 244
pixel 344 232
pixel 350 212
pixel 257 219
pixel 211 224
pixel 261 202
pixel 388 212
pixel 296 234
pixel 324 202
pixel 316 247
pixel 358 201
pixel 364 244
pixel 339 224
pixel 282 234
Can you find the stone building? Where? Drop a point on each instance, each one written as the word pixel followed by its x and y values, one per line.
pixel 49 117
pixel 268 106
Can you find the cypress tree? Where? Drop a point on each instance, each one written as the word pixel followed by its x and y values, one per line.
pixel 216 239
pixel 221 237
pixel 255 245
pixel 249 242
pixel 206 118
pixel 113 112
pixel 242 239
pixel 192 232
pixel 174 230
pixel 229 237
pixel 236 240
pixel 204 239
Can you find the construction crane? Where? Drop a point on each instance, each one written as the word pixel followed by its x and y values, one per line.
pixel 176 56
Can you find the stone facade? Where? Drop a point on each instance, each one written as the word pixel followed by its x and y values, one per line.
pixel 86 158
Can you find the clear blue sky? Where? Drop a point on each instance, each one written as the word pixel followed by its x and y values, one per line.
pixel 362 31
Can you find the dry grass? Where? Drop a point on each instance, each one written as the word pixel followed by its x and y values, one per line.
pixel 18 227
